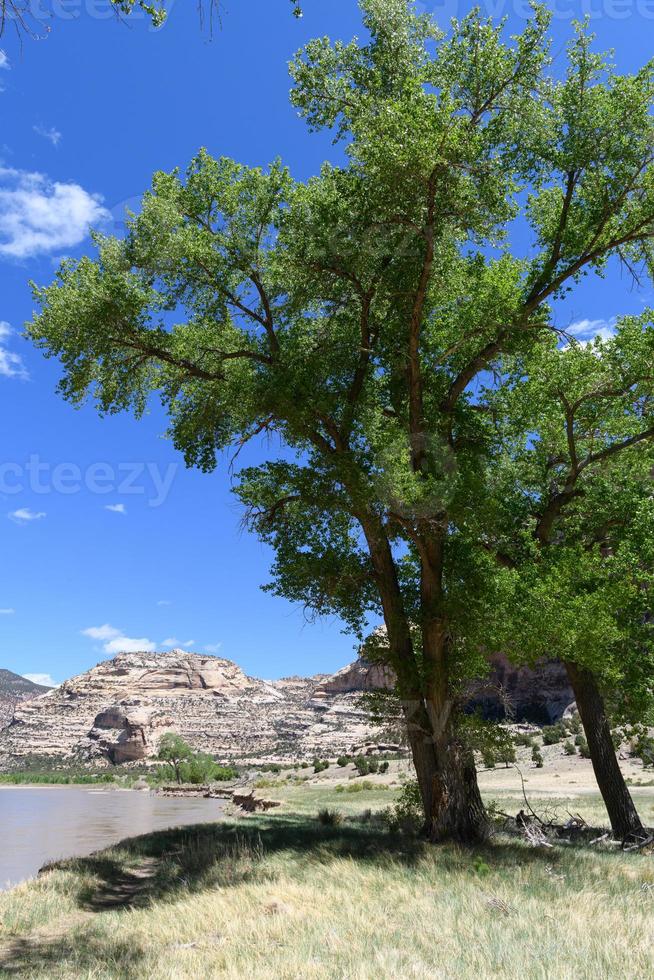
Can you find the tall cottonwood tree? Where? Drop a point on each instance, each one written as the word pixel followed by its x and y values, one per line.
pixel 353 316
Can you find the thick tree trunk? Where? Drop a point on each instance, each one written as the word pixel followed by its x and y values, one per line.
pixel 446 772
pixel 447 778
pixel 617 798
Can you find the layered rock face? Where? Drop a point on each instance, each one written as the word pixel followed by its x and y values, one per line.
pixel 540 695
pixel 119 710
pixel 13 690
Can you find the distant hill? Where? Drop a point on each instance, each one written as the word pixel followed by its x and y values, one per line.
pixel 14 689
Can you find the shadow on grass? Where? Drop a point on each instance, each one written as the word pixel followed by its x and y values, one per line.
pixel 222 855
pixel 163 865
pixel 62 956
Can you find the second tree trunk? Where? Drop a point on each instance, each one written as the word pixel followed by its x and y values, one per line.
pixel 615 792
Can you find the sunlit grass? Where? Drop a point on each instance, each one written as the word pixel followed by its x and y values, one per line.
pixel 286 896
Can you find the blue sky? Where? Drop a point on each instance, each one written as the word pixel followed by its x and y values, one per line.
pixel 89 112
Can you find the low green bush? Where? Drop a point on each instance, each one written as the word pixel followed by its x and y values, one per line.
pixel 361 786
pixel 643 748
pixel 553 734
pixel 573 724
pixel 407 814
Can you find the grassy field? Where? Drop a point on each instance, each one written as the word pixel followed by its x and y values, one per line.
pixel 284 896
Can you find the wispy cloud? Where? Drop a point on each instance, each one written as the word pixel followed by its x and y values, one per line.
pixel 7 612
pixel 116 508
pixel 24 515
pixel 52 135
pixel 46 680
pixel 164 602
pixel 38 215
pixel 11 364
pixel 585 331
pixel 213 648
pixel 114 640
pixel 173 643
pixel 4 64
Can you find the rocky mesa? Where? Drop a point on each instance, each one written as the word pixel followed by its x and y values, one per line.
pixel 117 711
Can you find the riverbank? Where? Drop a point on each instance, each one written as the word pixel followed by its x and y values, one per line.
pixel 286 895
pixel 43 823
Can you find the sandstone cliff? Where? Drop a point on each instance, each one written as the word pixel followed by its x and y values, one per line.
pixel 118 711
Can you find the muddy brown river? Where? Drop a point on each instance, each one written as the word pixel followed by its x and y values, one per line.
pixel 40 824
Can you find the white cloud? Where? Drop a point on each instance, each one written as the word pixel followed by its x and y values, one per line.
pixel 585 331
pixel 213 648
pixel 116 508
pixel 7 612
pixel 45 679
pixel 11 365
pixel 24 515
pixel 114 640
pixel 105 632
pixel 39 215
pixel 164 602
pixel 4 60
pixel 52 134
pixel 174 644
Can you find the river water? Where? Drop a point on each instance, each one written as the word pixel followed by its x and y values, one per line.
pixel 40 824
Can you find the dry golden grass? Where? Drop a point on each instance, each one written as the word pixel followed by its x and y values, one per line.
pixel 284 896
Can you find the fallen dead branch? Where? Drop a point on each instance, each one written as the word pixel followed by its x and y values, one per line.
pixel 251 804
pixel 535 836
pixel 639 843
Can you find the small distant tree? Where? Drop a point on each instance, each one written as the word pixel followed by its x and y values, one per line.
pixel 175 751
pixel 198 769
